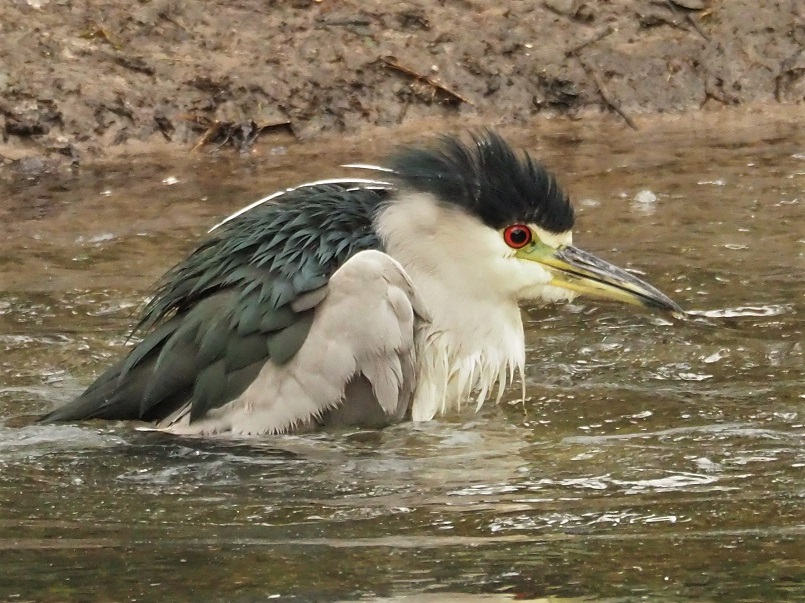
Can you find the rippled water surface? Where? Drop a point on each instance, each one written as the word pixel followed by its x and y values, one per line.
pixel 653 459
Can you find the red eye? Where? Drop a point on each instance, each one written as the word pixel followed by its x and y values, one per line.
pixel 517 236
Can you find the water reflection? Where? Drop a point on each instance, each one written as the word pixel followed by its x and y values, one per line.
pixel 652 459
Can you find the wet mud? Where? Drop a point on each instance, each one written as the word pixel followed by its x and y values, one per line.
pixel 80 80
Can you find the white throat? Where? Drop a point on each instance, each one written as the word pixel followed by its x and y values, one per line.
pixel 474 343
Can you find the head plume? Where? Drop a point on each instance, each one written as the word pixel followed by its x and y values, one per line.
pixel 487 179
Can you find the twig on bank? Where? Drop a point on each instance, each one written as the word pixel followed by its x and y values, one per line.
pixel 605 94
pixel 241 135
pixel 689 18
pixel 209 133
pixel 787 69
pixel 392 63
pixel 99 31
pixel 607 31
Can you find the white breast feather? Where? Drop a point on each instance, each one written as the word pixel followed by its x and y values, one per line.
pixel 471 283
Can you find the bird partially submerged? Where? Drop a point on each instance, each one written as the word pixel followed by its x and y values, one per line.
pixel 359 301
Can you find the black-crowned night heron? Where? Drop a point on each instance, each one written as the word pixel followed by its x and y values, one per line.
pixel 359 302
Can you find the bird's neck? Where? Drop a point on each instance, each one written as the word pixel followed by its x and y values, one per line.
pixel 468 353
pixel 474 343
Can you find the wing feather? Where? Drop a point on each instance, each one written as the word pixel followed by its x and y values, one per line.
pixel 244 299
pixel 362 338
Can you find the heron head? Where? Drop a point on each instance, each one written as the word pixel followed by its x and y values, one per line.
pixel 508 213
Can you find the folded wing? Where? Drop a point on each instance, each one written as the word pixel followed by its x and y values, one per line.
pixel 357 365
pixel 246 298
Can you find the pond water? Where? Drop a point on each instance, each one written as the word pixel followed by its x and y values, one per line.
pixel 653 459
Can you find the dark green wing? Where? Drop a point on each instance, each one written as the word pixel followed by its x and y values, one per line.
pixel 246 296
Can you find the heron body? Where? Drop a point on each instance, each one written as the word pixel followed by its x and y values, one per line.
pixel 358 301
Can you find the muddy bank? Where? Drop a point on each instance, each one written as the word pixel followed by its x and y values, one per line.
pixel 80 78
